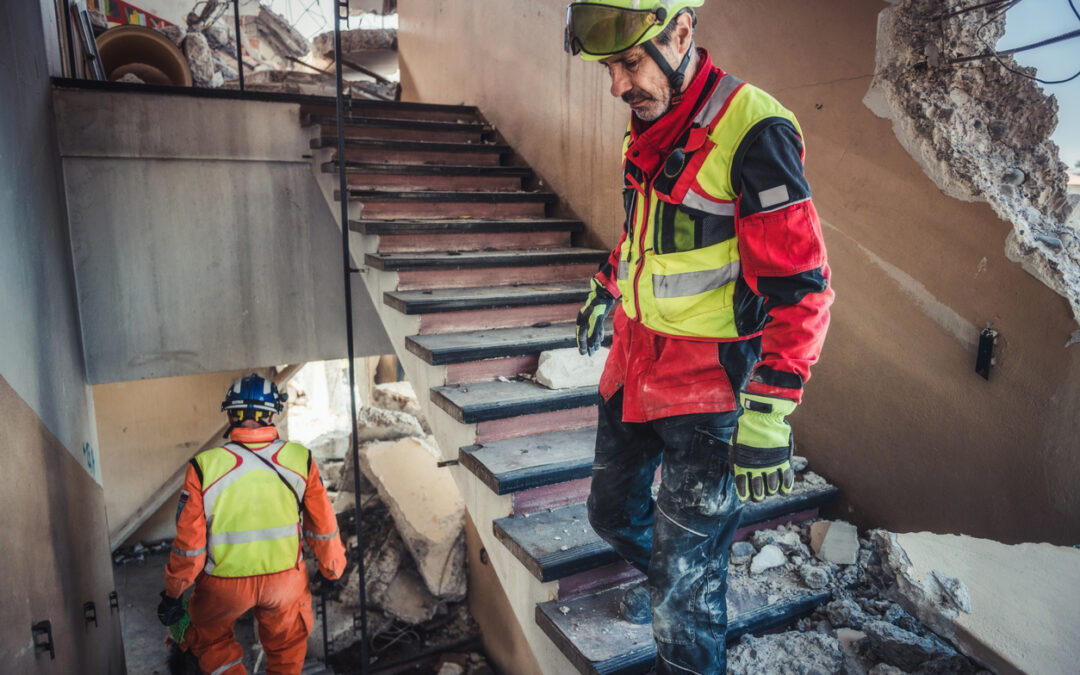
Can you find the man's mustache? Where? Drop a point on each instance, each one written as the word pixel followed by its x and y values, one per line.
pixel 635 96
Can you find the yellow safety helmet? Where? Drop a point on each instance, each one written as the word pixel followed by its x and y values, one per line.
pixel 598 29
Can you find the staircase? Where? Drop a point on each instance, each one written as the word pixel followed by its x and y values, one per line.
pixel 472 281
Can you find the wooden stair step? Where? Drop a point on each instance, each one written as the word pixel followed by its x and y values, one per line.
pixel 443 348
pixel 532 539
pixel 465 225
pixel 590 633
pixel 452 260
pixel 484 401
pixel 389 145
pixel 531 461
pixel 484 298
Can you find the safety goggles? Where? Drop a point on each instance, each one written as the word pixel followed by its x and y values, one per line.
pixel 603 30
pixel 261 416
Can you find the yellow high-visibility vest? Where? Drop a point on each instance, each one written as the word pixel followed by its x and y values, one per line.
pixel 679 263
pixel 252 517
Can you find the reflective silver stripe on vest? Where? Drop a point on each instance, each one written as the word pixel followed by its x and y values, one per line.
pixel 251 536
pixel 624 270
pixel 225 668
pixel 696 201
pixel 724 89
pixel 692 283
pixel 188 554
pixel 323 537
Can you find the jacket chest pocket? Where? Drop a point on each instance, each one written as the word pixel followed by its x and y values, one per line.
pixel 682 219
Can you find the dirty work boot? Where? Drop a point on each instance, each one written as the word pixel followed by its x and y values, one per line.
pixel 636 605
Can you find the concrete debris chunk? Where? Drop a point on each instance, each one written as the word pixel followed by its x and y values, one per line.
pixel 954 590
pixel 817 534
pixel 904 649
pixel 885 669
pixel 408 598
pixel 427 509
pixel 333 444
pixel 174 33
pixel 790 653
pixel 786 540
pixel 356 40
pixel 285 40
pixel 840 545
pixel 375 424
pixel 814 577
pixel 768 557
pixel 742 552
pixel 400 397
pixel 131 78
pixel 200 59
pixel 566 368
pixel 845 613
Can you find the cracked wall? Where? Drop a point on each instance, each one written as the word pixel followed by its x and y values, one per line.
pixel 980 129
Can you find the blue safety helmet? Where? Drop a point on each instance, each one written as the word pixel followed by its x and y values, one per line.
pixel 253 397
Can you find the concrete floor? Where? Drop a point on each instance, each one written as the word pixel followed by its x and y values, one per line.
pixel 138 585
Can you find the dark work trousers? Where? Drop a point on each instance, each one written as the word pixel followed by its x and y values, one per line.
pixel 681 539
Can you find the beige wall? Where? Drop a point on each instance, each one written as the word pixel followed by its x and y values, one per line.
pixel 894 415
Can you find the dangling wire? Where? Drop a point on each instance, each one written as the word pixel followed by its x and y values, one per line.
pixel 981 31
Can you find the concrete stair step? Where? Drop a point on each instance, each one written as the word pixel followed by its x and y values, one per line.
pixel 415 152
pixel 454 260
pixel 464 225
pixel 403 129
pixel 589 632
pixel 487 298
pixel 330 141
pixel 495 400
pixel 528 462
pixel 532 538
pixel 450 203
pixel 444 348
pixel 396 110
pixel 382 176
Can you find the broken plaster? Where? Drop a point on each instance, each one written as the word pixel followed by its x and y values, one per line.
pixel 980 132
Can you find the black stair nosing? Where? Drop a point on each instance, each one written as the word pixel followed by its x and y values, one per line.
pixel 505 297
pixel 399 105
pixel 465 225
pixel 410 146
pixel 531 399
pixel 382 168
pixel 450 196
pixel 595 553
pixel 493 343
pixel 397 123
pixel 542 469
pixel 640 660
pixel 402 262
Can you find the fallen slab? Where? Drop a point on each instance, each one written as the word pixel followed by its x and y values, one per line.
pixel 1024 599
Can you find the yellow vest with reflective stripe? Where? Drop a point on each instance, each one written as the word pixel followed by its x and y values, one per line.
pixel 252 518
pixel 679 263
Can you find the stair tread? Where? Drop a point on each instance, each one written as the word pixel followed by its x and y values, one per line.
pixel 532 538
pixel 360 104
pixel 450 196
pixel 430 169
pixel 419 146
pixel 443 348
pixel 470 259
pixel 486 297
pixel 462 225
pixel 590 633
pixel 494 400
pixel 531 461
pixel 391 123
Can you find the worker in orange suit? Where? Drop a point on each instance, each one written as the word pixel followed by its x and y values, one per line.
pixel 242 512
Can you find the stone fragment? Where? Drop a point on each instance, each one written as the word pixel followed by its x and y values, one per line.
pixel 131 78
pixel 220 37
pixel 426 507
pixel 408 598
pixel 799 464
pixel 742 551
pixel 566 368
pixel 451 668
pixel 885 669
pixel 845 613
pixel 200 59
pixel 767 558
pixel 1013 176
pixel 333 444
pixel 902 648
pixel 814 577
pixel 817 534
pixel 174 33
pixel 790 653
pixel 359 39
pixel 374 424
pixel 840 544
pixel 954 590
pixel 398 396
pixel 786 540
pixel 285 40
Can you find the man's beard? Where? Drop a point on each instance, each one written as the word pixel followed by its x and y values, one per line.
pixel 653 109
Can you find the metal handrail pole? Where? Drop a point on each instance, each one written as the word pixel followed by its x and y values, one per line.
pixel 239 47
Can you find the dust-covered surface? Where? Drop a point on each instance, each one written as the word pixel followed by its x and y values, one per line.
pixel 980 131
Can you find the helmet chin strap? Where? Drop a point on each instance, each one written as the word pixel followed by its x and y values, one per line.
pixel 675 76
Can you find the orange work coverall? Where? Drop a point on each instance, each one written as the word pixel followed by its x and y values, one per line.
pixel 282 601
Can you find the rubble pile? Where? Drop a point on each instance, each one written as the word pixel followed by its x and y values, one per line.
pixel 864 629
pixel 980 129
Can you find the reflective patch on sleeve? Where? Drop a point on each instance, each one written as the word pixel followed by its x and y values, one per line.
pixel 773 196
pixel 181 504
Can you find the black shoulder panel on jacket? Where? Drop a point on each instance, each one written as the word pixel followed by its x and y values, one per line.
pixel 767 170
pixel 198 471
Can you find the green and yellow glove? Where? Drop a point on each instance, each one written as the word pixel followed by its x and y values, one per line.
pixel 177 630
pixel 761 447
pixel 590 320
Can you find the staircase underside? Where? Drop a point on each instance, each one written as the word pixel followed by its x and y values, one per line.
pixel 473 280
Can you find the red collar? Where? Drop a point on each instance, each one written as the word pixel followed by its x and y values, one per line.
pixel 253 436
pixel 651 142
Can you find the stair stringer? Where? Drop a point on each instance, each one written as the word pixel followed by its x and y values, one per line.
pixel 521 588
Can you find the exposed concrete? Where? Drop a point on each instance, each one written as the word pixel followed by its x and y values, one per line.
pixel 980 131
pixel 894 411
pixel 1024 599
pixel 240 268
pixel 566 368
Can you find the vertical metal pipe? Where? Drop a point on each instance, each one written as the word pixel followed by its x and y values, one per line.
pixel 347 269
pixel 70 38
pixel 239 46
